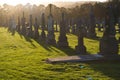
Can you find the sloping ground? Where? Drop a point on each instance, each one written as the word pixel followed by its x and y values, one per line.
pixel 23 59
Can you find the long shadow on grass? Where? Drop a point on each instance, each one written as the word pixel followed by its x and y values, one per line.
pixel 44 45
pixel 110 69
pixel 107 68
pixel 93 38
pixel 68 50
pixel 12 31
pixel 29 39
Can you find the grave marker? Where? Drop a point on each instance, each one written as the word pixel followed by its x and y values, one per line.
pixel 80 48
pixel 36 26
pixel 108 43
pixel 62 41
pixel 91 29
pixel 43 35
pixel 50 36
pixel 23 25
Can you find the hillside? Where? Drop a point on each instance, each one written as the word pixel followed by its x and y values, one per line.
pixel 22 58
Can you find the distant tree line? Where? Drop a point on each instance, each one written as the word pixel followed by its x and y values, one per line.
pixel 7 11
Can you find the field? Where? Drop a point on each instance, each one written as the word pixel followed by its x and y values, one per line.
pixel 23 58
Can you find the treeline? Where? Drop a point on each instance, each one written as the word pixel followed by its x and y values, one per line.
pixel 82 11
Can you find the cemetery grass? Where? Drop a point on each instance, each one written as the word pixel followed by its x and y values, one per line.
pixel 24 59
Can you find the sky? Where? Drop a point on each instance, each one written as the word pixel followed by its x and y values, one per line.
pixel 15 2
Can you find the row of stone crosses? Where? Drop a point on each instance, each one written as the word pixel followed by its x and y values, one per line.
pixel 108 43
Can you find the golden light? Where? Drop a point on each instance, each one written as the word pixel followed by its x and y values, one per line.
pixel 15 2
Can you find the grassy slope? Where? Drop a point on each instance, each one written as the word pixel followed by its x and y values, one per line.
pixel 23 59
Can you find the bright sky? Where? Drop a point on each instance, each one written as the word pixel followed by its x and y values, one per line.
pixel 15 2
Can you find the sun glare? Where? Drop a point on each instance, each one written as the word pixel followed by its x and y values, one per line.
pixel 15 2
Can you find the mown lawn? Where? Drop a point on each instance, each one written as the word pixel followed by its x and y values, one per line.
pixel 23 59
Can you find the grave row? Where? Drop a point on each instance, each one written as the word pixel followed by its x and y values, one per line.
pixel 108 43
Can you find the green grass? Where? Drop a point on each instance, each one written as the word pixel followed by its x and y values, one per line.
pixel 23 59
